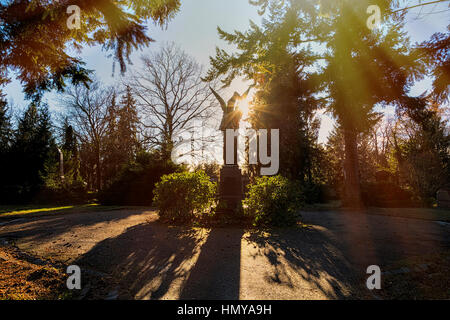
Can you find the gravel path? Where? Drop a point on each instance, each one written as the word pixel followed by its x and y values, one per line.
pixel 149 260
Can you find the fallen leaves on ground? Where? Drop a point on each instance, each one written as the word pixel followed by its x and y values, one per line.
pixel 24 280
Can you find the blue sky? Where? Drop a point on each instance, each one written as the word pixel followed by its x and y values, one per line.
pixel 194 29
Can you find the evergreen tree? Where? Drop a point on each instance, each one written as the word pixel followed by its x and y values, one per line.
pixel 120 142
pixel 127 125
pixel 34 151
pixel 5 148
pixel 36 42
pixel 111 148
pixel 71 155
pixel 436 54
pixel 423 151
pixel 362 67
pixel 286 103
pixel 5 126
pixel 335 159
pixel 69 140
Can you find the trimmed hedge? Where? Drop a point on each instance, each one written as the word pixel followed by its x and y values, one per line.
pixel 184 196
pixel 387 195
pixel 273 201
pixel 135 184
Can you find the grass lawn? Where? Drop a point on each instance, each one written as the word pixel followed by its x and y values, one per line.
pixel 414 213
pixel 10 211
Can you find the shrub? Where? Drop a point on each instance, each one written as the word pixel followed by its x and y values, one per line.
pixel 74 192
pixel 387 195
pixel 313 192
pixel 273 201
pixel 183 196
pixel 51 193
pixel 135 183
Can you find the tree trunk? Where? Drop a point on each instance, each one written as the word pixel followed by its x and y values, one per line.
pixel 352 190
pixel 99 171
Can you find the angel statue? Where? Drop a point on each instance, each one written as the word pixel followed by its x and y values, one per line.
pixel 231 118
pixel 231 113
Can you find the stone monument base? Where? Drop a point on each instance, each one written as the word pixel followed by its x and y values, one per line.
pixel 231 189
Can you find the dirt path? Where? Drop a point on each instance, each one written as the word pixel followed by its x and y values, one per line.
pixel 148 260
pixel 67 236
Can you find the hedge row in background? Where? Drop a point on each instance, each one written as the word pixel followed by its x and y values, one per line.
pixel 135 184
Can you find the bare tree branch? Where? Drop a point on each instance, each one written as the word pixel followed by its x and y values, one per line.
pixel 170 95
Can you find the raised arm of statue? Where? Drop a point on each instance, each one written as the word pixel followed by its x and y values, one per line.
pixel 244 96
pixel 221 101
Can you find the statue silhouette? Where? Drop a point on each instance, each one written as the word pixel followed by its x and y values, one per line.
pixel 231 113
pixel 231 118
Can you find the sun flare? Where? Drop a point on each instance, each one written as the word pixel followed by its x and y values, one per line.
pixel 244 106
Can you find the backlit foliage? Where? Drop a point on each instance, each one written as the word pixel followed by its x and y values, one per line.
pixel 36 43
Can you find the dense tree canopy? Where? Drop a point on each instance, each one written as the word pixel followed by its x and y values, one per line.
pixel 357 67
pixel 436 54
pixel 36 43
pixel 306 58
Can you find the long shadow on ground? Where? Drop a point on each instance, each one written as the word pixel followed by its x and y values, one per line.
pixel 216 274
pixel 305 260
pixel 44 228
pixel 148 261
pixel 154 261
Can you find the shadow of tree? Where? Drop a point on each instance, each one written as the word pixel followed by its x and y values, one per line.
pixel 151 260
pixel 147 261
pixel 154 261
pixel 307 253
pixel 372 239
pixel 48 227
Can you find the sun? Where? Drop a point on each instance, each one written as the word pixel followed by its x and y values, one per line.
pixel 244 106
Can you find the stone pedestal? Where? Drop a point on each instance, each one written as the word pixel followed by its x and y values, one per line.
pixel 231 188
